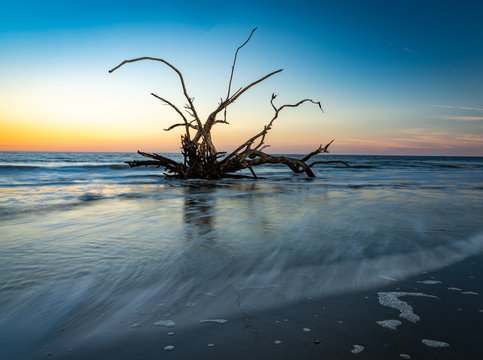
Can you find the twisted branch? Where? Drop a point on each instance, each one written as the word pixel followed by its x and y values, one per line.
pixel 212 117
pixel 247 144
pixel 186 124
pixel 201 159
pixel 185 92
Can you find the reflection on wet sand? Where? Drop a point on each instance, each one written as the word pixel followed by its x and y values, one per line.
pixel 199 209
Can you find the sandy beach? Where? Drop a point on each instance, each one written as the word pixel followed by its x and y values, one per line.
pixel 330 327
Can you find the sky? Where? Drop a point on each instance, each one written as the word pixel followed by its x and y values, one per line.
pixel 393 77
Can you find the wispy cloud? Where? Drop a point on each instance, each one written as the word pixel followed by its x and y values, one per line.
pixel 463 118
pixel 416 141
pixel 431 137
pixel 445 106
pixel 472 108
pixel 459 113
pixel 471 138
pixel 408 50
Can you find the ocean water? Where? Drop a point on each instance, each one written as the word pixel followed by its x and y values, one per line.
pixel 95 249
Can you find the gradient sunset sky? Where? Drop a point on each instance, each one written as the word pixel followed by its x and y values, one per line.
pixel 393 77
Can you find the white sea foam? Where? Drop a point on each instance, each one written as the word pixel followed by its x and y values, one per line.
pixel 169 348
pixel 357 349
pixel 389 324
pixel 469 293
pixel 214 321
pixel 454 289
pixel 434 343
pixel 430 282
pixel 167 323
pixel 257 287
pixel 405 356
pixel 307 329
pixel 387 278
pixel 391 299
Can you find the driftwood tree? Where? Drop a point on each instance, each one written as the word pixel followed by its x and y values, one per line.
pixel 201 159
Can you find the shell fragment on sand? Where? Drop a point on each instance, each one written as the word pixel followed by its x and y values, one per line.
pixel 166 323
pixel 357 349
pixel 434 343
pixel 391 299
pixel 389 324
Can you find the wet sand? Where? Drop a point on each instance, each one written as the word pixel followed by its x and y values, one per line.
pixel 336 327
pixel 99 261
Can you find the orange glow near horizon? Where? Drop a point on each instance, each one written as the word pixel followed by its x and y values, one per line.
pixel 39 137
pixel 24 136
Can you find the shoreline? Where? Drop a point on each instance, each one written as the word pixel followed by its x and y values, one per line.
pixel 327 327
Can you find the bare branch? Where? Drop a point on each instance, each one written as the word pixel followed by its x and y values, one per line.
pixel 267 127
pixel 186 124
pixel 320 150
pixel 170 104
pixel 236 92
pixel 211 118
pixel 234 62
pixel 190 101
pixel 271 101
pixel 330 162
pixel 181 124
pixel 253 172
pixel 239 93
pixel 260 158
pixel 300 103
pixel 233 67
pixel 135 163
pixel 158 161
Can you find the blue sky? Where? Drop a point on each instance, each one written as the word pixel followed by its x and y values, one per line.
pixel 394 77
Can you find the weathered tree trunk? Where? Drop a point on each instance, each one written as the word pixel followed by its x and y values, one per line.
pixel 201 159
